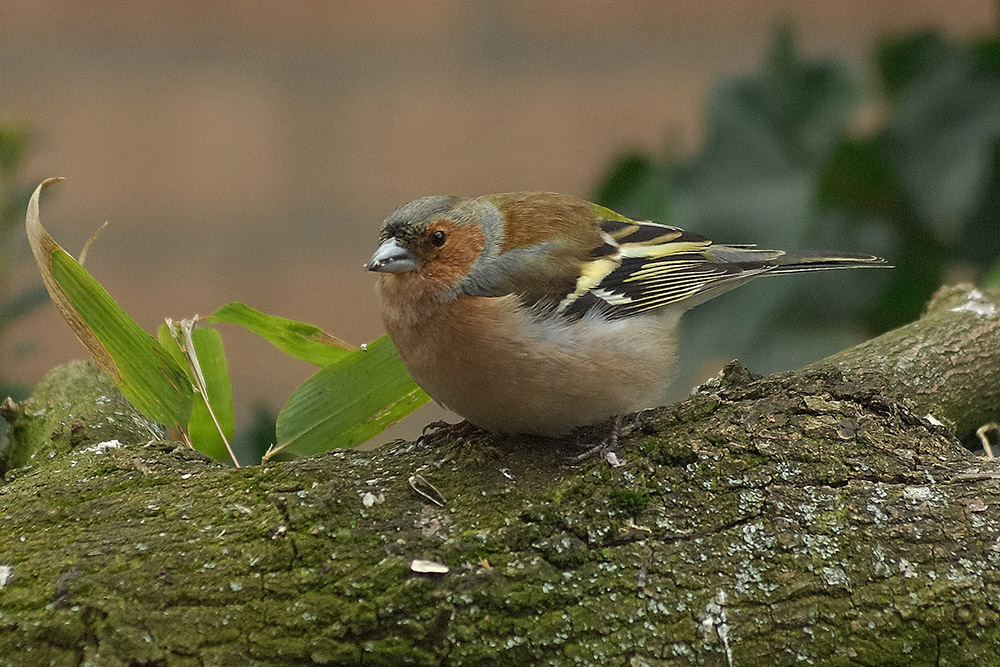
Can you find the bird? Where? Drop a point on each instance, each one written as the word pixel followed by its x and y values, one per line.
pixel 538 313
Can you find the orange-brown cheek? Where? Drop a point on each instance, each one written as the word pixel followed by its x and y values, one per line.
pixel 447 265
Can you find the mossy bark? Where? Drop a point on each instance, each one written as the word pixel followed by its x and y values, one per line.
pixel 812 516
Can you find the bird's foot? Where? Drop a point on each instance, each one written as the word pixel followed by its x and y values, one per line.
pixel 607 447
pixel 440 430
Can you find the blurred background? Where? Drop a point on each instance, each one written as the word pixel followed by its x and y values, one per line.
pixel 248 151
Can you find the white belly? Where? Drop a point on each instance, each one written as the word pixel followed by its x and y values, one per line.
pixel 542 375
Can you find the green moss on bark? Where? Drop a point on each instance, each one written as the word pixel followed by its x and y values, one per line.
pixel 75 406
pixel 776 521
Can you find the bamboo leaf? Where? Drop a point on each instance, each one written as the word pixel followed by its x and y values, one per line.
pixel 300 340
pixel 141 368
pixel 212 422
pixel 349 401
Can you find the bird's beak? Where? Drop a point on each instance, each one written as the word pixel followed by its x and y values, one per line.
pixel 392 258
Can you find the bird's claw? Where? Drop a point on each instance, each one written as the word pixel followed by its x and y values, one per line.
pixel 606 447
pixel 439 430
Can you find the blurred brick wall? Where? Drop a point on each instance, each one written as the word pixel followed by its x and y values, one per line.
pixel 249 150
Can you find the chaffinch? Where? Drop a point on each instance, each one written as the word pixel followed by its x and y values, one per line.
pixel 538 312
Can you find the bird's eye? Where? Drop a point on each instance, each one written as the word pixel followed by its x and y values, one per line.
pixel 438 238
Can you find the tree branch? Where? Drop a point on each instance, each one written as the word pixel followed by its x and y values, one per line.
pixel 948 362
pixel 806 516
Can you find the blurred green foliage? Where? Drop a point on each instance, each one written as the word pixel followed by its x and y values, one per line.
pixel 13 199
pixel 801 155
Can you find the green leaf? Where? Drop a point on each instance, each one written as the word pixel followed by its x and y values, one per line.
pixel 348 401
pixel 786 117
pixel 13 140
pixel 944 126
pixel 902 62
pixel 629 173
pixel 21 304
pixel 171 346
pixel 638 186
pixel 979 243
pixel 767 136
pixel 993 277
pixel 858 178
pixel 209 435
pixel 212 357
pixel 300 340
pixel 141 368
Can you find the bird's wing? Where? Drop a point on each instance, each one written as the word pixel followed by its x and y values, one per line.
pixel 599 259
pixel 653 266
pixel 643 266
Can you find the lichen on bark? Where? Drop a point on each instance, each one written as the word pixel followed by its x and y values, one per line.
pixel 811 516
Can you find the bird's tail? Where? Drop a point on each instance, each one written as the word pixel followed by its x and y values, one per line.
pixel 738 264
pixel 795 261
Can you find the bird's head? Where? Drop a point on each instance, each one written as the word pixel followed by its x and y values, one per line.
pixel 433 244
